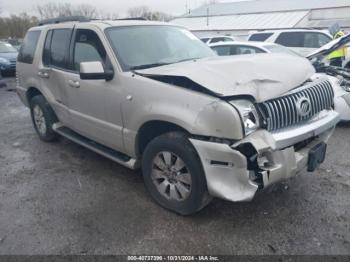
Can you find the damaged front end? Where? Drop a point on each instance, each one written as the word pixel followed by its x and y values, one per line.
pixel 321 63
pixel 291 138
pixel 235 172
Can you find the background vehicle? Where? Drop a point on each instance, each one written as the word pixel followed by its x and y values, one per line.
pixel 337 74
pixel 16 43
pixel 152 95
pixel 8 57
pixel 216 39
pixel 246 48
pixel 2 82
pixel 300 41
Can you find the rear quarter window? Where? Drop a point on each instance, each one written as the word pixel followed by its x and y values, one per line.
pixel 27 51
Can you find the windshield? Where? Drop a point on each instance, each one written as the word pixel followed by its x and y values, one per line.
pixel 280 49
pixel 140 47
pixel 7 48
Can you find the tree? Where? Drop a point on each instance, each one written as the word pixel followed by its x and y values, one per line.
pixel 146 13
pixel 16 26
pixel 86 10
pixel 139 11
pixel 53 10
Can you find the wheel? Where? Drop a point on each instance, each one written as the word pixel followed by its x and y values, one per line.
pixel 173 174
pixel 43 118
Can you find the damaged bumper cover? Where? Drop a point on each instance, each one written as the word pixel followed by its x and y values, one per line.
pixel 236 172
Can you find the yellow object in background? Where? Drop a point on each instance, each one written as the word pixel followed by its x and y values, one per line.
pixel 341 52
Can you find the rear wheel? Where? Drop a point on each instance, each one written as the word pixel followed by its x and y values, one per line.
pixel 43 118
pixel 174 175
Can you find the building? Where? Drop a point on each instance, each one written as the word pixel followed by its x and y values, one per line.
pixel 242 18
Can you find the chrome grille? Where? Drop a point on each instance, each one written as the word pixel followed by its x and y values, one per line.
pixel 287 110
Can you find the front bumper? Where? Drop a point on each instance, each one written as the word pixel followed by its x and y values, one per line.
pixel 235 174
pixel 8 68
pixel 342 106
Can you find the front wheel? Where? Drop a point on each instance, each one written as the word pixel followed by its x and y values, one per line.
pixel 174 175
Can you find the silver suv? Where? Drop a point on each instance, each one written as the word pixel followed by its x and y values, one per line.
pixel 152 95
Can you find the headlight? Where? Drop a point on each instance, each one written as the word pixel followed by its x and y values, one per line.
pixel 4 61
pixel 249 115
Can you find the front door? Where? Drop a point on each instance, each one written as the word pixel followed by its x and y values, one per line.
pixel 88 99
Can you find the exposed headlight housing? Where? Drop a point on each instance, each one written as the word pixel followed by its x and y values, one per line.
pixel 4 61
pixel 249 115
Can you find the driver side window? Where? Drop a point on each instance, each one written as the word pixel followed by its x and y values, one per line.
pixel 88 48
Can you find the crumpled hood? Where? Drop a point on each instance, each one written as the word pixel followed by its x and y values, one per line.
pixel 262 76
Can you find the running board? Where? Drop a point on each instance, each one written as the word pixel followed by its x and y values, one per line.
pixel 107 152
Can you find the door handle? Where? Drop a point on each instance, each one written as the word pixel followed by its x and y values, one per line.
pixel 43 74
pixel 73 83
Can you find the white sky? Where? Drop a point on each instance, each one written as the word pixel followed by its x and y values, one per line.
pixel 174 7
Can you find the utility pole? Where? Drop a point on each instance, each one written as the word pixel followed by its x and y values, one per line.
pixel 208 16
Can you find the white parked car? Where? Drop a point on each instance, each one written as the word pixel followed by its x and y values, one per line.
pixel 216 39
pixel 247 48
pixel 299 40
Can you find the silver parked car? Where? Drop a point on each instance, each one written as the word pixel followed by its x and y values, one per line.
pixel 152 95
pixel 249 48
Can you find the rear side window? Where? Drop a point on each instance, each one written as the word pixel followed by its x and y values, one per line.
pixel 315 40
pixel 47 46
pixel 291 39
pixel 303 39
pixel 27 51
pixel 59 50
pixel 247 50
pixel 260 37
pixel 222 50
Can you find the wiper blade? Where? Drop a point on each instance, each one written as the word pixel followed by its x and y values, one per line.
pixel 148 66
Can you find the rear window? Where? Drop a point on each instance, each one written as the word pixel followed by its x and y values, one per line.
pixel 217 40
pixel 260 37
pixel 27 51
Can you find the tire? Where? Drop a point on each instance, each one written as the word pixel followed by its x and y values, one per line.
pixel 181 188
pixel 43 117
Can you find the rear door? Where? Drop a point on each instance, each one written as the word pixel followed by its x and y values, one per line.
pixel 54 68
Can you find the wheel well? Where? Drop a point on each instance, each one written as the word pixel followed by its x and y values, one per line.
pixel 33 91
pixel 153 129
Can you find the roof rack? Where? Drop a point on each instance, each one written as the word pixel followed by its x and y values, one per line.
pixel 63 19
pixel 131 18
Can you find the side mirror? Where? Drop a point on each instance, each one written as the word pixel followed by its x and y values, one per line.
pixel 94 71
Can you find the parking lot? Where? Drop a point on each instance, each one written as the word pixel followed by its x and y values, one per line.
pixel 63 199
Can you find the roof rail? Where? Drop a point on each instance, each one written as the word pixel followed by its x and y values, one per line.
pixel 131 18
pixel 63 19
